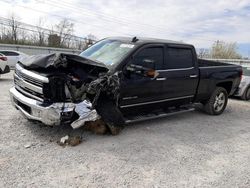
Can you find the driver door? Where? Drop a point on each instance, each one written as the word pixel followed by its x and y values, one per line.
pixel 137 89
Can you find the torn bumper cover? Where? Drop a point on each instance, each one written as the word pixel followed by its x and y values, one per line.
pixel 53 114
pixel 86 113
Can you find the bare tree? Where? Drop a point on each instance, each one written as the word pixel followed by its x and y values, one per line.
pixel 60 35
pixel 24 37
pixel 5 35
pixel 65 31
pixel 41 32
pixel 91 39
pixel 80 44
pixel 14 27
pixel 203 53
pixel 223 50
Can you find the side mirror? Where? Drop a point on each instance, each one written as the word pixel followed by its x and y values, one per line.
pixel 140 70
pixel 152 73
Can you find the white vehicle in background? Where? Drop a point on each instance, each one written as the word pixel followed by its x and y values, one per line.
pixel 4 68
pixel 13 57
pixel 244 87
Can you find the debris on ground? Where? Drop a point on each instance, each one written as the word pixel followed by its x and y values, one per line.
pixel 28 145
pixel 64 139
pixel 70 140
pixel 74 141
pixel 97 127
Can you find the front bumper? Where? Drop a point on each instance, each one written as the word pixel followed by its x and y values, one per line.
pixel 35 110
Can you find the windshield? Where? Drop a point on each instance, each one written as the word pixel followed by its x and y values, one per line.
pixel 246 71
pixel 108 51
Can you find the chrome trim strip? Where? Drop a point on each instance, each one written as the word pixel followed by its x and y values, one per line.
pixel 152 102
pixel 161 79
pixel 28 94
pixel 218 66
pixel 32 74
pixel 193 76
pixel 22 83
pixel 169 70
pixel 127 98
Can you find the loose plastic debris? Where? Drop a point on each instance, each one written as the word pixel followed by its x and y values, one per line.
pixel 27 145
pixel 70 140
pixel 64 139
pixel 86 113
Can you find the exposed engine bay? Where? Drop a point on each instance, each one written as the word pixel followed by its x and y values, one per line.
pixel 81 82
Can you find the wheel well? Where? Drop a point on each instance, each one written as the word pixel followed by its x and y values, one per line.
pixel 226 85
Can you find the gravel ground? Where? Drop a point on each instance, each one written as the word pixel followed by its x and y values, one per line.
pixel 186 150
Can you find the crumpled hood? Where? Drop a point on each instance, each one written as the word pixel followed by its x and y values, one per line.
pixel 56 60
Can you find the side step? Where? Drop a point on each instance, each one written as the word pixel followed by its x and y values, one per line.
pixel 162 114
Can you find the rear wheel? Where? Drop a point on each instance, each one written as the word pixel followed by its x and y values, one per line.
pixel 246 95
pixel 217 102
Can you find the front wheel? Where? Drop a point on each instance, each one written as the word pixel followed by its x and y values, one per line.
pixel 217 102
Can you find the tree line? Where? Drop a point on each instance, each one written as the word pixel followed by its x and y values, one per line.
pixel 220 50
pixel 13 31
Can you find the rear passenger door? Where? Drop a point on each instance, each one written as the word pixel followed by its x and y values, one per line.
pixel 180 72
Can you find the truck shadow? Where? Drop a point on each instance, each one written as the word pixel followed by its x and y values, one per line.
pixel 54 134
pixel 187 128
pixel 238 99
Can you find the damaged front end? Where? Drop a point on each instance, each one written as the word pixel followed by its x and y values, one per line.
pixel 65 88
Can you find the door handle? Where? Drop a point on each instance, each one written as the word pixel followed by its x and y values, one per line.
pixel 161 79
pixel 193 76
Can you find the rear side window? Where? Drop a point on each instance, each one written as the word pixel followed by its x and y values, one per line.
pixel 7 53
pixel 179 58
pixel 151 57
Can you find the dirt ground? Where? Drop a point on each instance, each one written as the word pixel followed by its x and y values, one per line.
pixel 186 150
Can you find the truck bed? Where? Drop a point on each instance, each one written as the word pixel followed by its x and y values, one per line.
pixel 208 63
pixel 211 72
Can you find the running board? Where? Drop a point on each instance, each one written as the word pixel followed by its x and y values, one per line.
pixel 155 116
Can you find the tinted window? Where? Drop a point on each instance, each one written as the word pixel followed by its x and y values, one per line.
pixel 179 58
pixel 7 53
pixel 150 57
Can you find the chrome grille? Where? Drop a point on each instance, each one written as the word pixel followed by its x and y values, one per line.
pixel 28 78
pixel 29 83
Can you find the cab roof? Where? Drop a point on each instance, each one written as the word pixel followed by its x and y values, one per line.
pixel 143 40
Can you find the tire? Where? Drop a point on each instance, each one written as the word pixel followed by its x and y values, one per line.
pixel 217 102
pixel 246 95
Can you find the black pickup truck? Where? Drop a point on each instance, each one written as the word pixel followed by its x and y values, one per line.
pixel 121 80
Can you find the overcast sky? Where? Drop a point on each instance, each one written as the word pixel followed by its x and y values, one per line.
pixel 192 21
